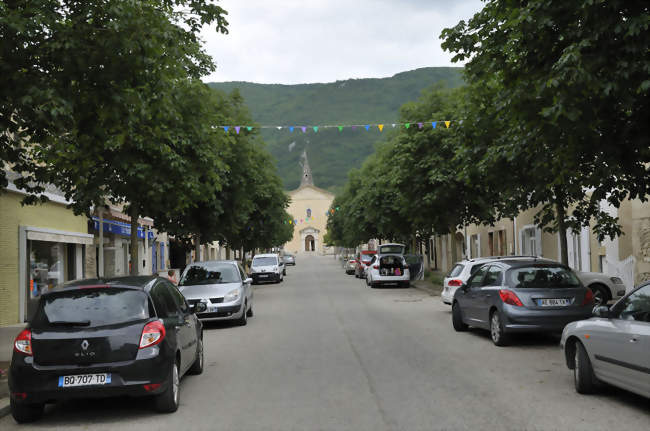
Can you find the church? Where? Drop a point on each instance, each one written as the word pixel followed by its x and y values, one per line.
pixel 309 206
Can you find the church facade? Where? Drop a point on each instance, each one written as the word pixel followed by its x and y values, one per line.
pixel 309 206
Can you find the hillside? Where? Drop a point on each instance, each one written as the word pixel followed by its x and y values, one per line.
pixel 356 101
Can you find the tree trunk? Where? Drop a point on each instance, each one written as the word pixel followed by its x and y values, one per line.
pixel 227 253
pixel 197 248
pixel 454 254
pixel 135 259
pixel 561 230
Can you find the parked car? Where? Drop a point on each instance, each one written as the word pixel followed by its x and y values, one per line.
pixel 289 259
pixel 388 266
pixel 461 271
pixel 604 287
pixel 350 265
pixel 613 346
pixel 132 336
pixel 362 261
pixel 267 267
pixel 222 286
pixel 520 295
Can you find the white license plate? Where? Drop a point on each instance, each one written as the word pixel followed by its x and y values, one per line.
pixel 263 276
pixel 84 380
pixel 554 302
pixel 213 309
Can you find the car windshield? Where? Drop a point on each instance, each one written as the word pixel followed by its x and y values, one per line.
pixel 387 249
pixel 366 257
pixel 542 277
pixel 215 273
pixel 265 261
pixel 91 308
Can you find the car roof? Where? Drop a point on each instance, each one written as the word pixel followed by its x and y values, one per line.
pixel 391 243
pixel 266 255
pixel 486 258
pixel 518 263
pixel 234 262
pixel 137 282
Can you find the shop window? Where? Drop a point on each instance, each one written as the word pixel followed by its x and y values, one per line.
pixel 46 268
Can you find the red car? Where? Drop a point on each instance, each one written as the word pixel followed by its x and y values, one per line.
pixel 363 260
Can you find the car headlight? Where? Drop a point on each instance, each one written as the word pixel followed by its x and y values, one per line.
pixel 275 268
pixel 616 280
pixel 231 296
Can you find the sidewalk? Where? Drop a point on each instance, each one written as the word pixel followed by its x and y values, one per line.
pixel 427 286
pixel 7 336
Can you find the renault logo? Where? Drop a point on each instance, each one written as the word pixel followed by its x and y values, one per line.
pixel 84 344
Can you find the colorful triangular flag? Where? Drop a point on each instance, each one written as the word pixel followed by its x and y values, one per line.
pixel 226 128
pixel 447 123
pixel 340 128
pixel 367 127
pixel 237 129
pixel 304 129
pixel 249 128
pixel 407 125
pixel 315 128
pixel 291 129
pixel 381 127
pixel 433 124
pixel 279 127
pixel 393 125
pixel 420 125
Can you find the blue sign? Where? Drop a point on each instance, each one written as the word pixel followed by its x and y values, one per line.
pixel 120 228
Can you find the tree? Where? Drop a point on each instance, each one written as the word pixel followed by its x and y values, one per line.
pixel 559 102
pixel 117 75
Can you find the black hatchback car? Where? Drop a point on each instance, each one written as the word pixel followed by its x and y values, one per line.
pixel 133 336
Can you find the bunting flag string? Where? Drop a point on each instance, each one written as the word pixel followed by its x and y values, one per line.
pixel 341 127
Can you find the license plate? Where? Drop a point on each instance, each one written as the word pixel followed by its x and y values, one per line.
pixel 213 309
pixel 84 380
pixel 263 276
pixel 554 302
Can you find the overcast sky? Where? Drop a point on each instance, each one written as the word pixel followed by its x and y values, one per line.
pixel 302 41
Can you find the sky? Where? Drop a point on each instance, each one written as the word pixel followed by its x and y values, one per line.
pixel 304 41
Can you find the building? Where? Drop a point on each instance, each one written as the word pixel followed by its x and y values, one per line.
pixel 309 207
pixel 40 247
pixel 627 256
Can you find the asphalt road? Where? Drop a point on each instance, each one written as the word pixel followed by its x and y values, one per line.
pixel 325 352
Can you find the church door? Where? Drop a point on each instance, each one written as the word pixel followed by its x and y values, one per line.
pixel 309 243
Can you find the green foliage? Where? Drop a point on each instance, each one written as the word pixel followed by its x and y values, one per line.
pixel 558 106
pixel 356 101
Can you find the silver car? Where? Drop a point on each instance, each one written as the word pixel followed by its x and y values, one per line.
pixel 222 286
pixel 613 346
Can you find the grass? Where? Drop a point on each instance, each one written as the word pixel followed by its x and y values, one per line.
pixel 434 277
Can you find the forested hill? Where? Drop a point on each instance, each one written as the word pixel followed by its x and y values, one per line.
pixel 355 101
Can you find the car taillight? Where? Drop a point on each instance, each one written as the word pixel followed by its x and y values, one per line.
pixel 455 283
pixel 509 297
pixel 23 342
pixel 589 298
pixel 152 334
pixel 376 266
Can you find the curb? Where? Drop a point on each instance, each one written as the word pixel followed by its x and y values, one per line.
pixel 4 407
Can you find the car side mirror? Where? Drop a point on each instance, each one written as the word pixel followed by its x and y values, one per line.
pixel 248 280
pixel 602 311
pixel 200 307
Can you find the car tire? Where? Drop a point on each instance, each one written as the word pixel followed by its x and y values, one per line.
pixel 601 295
pixel 25 412
pixel 243 320
pixel 168 401
pixel 457 318
pixel 284 272
pixel 249 313
pixel 197 366
pixel 497 333
pixel 583 373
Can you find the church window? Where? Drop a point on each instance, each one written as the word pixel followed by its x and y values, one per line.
pixel 308 213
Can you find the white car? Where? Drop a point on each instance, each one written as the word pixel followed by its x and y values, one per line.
pixel 267 267
pixel 613 346
pixel 458 275
pixel 388 266
pixel 604 287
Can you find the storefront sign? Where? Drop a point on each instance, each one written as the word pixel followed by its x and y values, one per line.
pixel 120 228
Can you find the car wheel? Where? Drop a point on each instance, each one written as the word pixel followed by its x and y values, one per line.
pixel 243 320
pixel 197 366
pixel 583 373
pixel 499 337
pixel 600 294
pixel 24 412
pixel 249 313
pixel 284 272
pixel 457 318
pixel 167 402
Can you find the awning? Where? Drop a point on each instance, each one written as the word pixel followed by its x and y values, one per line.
pixel 51 235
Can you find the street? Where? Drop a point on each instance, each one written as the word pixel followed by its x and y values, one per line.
pixel 324 351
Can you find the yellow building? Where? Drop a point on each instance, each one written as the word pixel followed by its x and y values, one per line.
pixel 40 247
pixel 309 206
